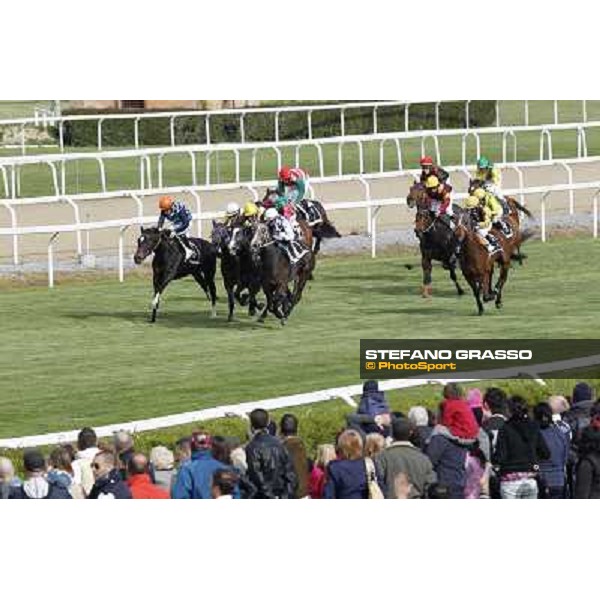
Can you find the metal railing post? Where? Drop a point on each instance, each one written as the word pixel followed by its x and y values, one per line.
pixel 253 191
pixel 340 158
pixel 236 154
pixel 406 109
pixel 543 214
pixel 15 236
pixel 497 113
pixel 468 114
pixel 437 115
pixel 584 110
pixel 196 197
pixel 367 187
pixel 310 130
pixel 102 173
pixel 54 177
pixel 122 231
pixel 160 169
pixel 192 156
pixel 343 123
pixel 556 112
pixel 595 211
pixel 569 171
pixel 527 112
pixel 242 128
pixel 75 208
pixel 277 126
pixel 51 259
pixel 582 150
pixel 374 232
pixel 5 180
pixel 375 128
pixel 99 126
pixel 361 158
pixel 521 183
pixel 545 134
pixel 139 204
pixel 61 136
pixel 136 132
pixel 172 130
pixel 207 129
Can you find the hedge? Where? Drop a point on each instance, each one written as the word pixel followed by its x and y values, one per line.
pixel 260 126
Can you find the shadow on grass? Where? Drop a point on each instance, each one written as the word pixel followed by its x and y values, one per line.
pixel 181 319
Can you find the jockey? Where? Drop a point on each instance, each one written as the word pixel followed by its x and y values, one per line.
pixel 428 168
pixel 292 184
pixel 483 226
pixel 178 214
pixel 487 199
pixel 282 231
pixel 441 201
pixel 490 175
pixel 232 212
pixel 250 214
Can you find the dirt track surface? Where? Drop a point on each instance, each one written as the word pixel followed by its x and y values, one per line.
pixel 394 223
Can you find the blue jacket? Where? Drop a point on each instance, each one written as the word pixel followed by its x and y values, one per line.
pixel 346 480
pixel 179 215
pixel 449 462
pixel 194 479
pixel 558 443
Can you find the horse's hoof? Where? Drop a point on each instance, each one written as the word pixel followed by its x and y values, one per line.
pixel 460 292
pixel 498 305
pixel 230 319
pixel 426 291
pixel 283 322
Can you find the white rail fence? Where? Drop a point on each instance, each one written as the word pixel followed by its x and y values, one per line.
pixel 197 193
pixel 371 206
pixel 10 167
pixel 347 394
pixel 46 118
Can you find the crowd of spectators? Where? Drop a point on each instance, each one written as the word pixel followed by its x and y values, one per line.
pixel 482 444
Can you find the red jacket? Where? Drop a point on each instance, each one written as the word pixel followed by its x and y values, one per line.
pixel 459 419
pixel 143 489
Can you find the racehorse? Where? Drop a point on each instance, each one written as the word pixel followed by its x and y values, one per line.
pixel 436 240
pixel 238 270
pixel 477 266
pixel 313 213
pixel 277 272
pixel 169 263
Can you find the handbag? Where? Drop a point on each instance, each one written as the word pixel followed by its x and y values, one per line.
pixel 375 492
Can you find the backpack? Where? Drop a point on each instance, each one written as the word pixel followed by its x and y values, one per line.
pixel 375 492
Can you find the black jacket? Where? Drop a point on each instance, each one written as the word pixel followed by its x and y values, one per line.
pixel 587 479
pixel 520 447
pixel 270 467
pixel 55 492
pixel 110 486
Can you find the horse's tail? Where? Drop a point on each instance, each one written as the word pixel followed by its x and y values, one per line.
pixel 526 235
pixel 520 207
pixel 326 230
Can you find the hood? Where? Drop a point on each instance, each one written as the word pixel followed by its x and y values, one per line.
pixel 36 488
pixel 459 419
pixel 60 479
pixel 582 392
pixel 445 432
pixel 373 403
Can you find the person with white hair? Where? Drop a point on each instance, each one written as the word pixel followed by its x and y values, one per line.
pixel 419 417
pixel 8 479
pixel 163 463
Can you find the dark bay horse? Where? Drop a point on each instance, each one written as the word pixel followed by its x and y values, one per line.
pixel 169 264
pixel 313 213
pixel 277 272
pixel 477 266
pixel 239 272
pixel 436 240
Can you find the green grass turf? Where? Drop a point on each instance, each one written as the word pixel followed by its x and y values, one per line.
pixel 84 353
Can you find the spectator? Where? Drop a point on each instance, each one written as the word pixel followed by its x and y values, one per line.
pixel 87 446
pixel 222 450
pixel 194 480
pixel 478 456
pixel 559 406
pixel 139 481
pixel 374 444
pixel 270 467
pixel 183 453
pixel 162 462
pixel 36 485
pixel 123 445
pixel 495 413
pixel 347 476
pixel 224 484
pixel 288 428
pixel 108 483
pixel 402 457
pixel 419 417
pixel 373 413
pixel 8 480
pixel 587 480
pixel 552 475
pixel 519 449
pixel 451 440
pixel 61 472
pixel 316 484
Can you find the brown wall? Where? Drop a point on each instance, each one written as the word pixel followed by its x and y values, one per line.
pixel 163 104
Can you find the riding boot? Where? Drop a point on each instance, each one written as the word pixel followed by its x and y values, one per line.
pixel 492 244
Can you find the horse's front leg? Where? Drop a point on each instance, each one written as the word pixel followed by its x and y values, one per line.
pixel 426 266
pixel 459 289
pixel 501 281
